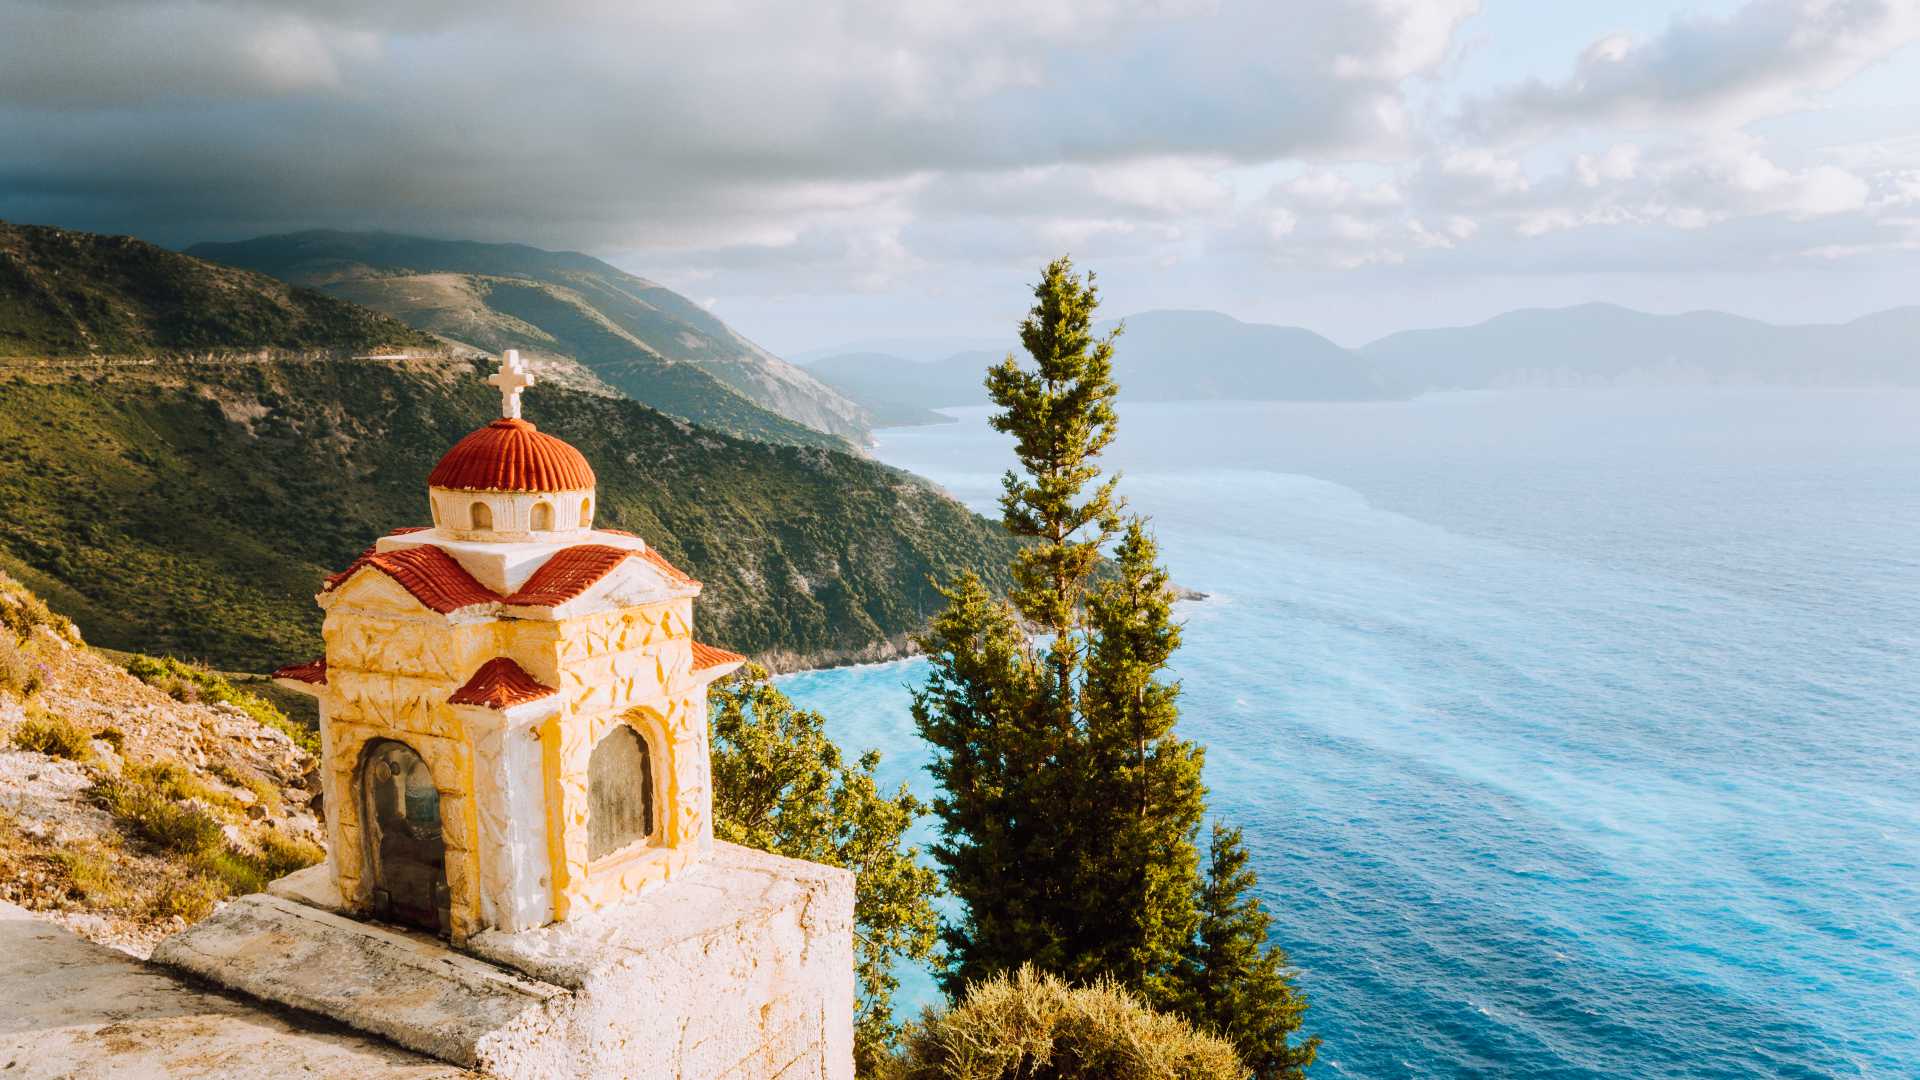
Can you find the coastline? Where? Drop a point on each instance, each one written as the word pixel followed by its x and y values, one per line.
pixel 894 647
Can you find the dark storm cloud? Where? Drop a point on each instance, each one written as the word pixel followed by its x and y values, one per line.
pixel 588 124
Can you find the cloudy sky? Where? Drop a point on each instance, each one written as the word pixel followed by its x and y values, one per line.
pixel 837 170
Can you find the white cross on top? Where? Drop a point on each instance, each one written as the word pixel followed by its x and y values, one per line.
pixel 512 378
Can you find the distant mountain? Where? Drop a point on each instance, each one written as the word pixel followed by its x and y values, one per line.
pixel 1605 345
pixel 1204 355
pixel 67 293
pixel 916 350
pixel 1161 356
pixel 638 337
pixel 190 502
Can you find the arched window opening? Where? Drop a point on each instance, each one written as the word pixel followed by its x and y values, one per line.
pixel 542 517
pixel 619 792
pixel 482 515
pixel 586 513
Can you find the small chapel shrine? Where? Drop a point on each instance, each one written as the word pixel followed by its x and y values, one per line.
pixel 512 705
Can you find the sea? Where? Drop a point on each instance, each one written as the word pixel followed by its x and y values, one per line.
pixel 1574 733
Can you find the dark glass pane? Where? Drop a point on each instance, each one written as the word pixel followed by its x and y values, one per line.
pixel 620 792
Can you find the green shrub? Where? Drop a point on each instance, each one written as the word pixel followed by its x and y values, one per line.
pixel 265 792
pixel 151 802
pixel 55 736
pixel 193 683
pixel 1032 1026
pixel 190 895
pixel 93 876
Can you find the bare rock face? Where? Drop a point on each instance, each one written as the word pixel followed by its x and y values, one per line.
pixel 76 726
pixel 740 968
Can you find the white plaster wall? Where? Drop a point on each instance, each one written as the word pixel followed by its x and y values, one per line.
pixel 512 513
pixel 516 879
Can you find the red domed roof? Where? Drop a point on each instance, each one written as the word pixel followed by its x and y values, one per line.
pixel 511 455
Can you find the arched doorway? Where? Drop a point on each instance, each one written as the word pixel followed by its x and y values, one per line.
pixel 400 808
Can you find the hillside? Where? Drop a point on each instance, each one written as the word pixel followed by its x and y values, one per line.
pixel 1605 345
pixel 130 806
pixel 638 337
pixel 67 293
pixel 191 507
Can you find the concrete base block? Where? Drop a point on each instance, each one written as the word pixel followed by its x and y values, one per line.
pixel 741 968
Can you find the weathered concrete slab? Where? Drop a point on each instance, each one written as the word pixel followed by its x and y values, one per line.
pixel 742 969
pixel 70 1008
pixel 412 989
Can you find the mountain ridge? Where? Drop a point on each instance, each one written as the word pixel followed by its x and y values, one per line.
pixel 635 335
pixel 64 292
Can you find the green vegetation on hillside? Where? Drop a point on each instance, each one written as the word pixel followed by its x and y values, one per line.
pixel 191 508
pixel 66 293
pixel 636 336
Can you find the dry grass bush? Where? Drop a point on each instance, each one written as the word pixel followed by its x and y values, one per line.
pixel 23 613
pixel 173 810
pixel 54 736
pixel 19 671
pixel 1032 1026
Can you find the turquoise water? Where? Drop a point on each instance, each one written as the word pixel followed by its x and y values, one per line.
pixel 1574 734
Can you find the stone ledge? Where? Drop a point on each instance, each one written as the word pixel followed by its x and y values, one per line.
pixel 313 887
pixel 409 988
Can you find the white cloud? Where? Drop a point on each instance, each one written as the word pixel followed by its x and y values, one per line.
pixel 1766 57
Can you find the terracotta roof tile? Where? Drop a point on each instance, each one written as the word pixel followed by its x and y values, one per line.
pixel 313 671
pixel 567 574
pixel 572 571
pixel 707 656
pixel 500 683
pixel 405 529
pixel 437 579
pixel 512 455
pixel 434 577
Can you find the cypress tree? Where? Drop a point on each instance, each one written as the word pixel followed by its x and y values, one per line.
pixel 1138 779
pixel 1069 808
pixel 982 709
pixel 1232 981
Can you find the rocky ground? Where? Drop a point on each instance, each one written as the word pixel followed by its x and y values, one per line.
pixel 131 807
